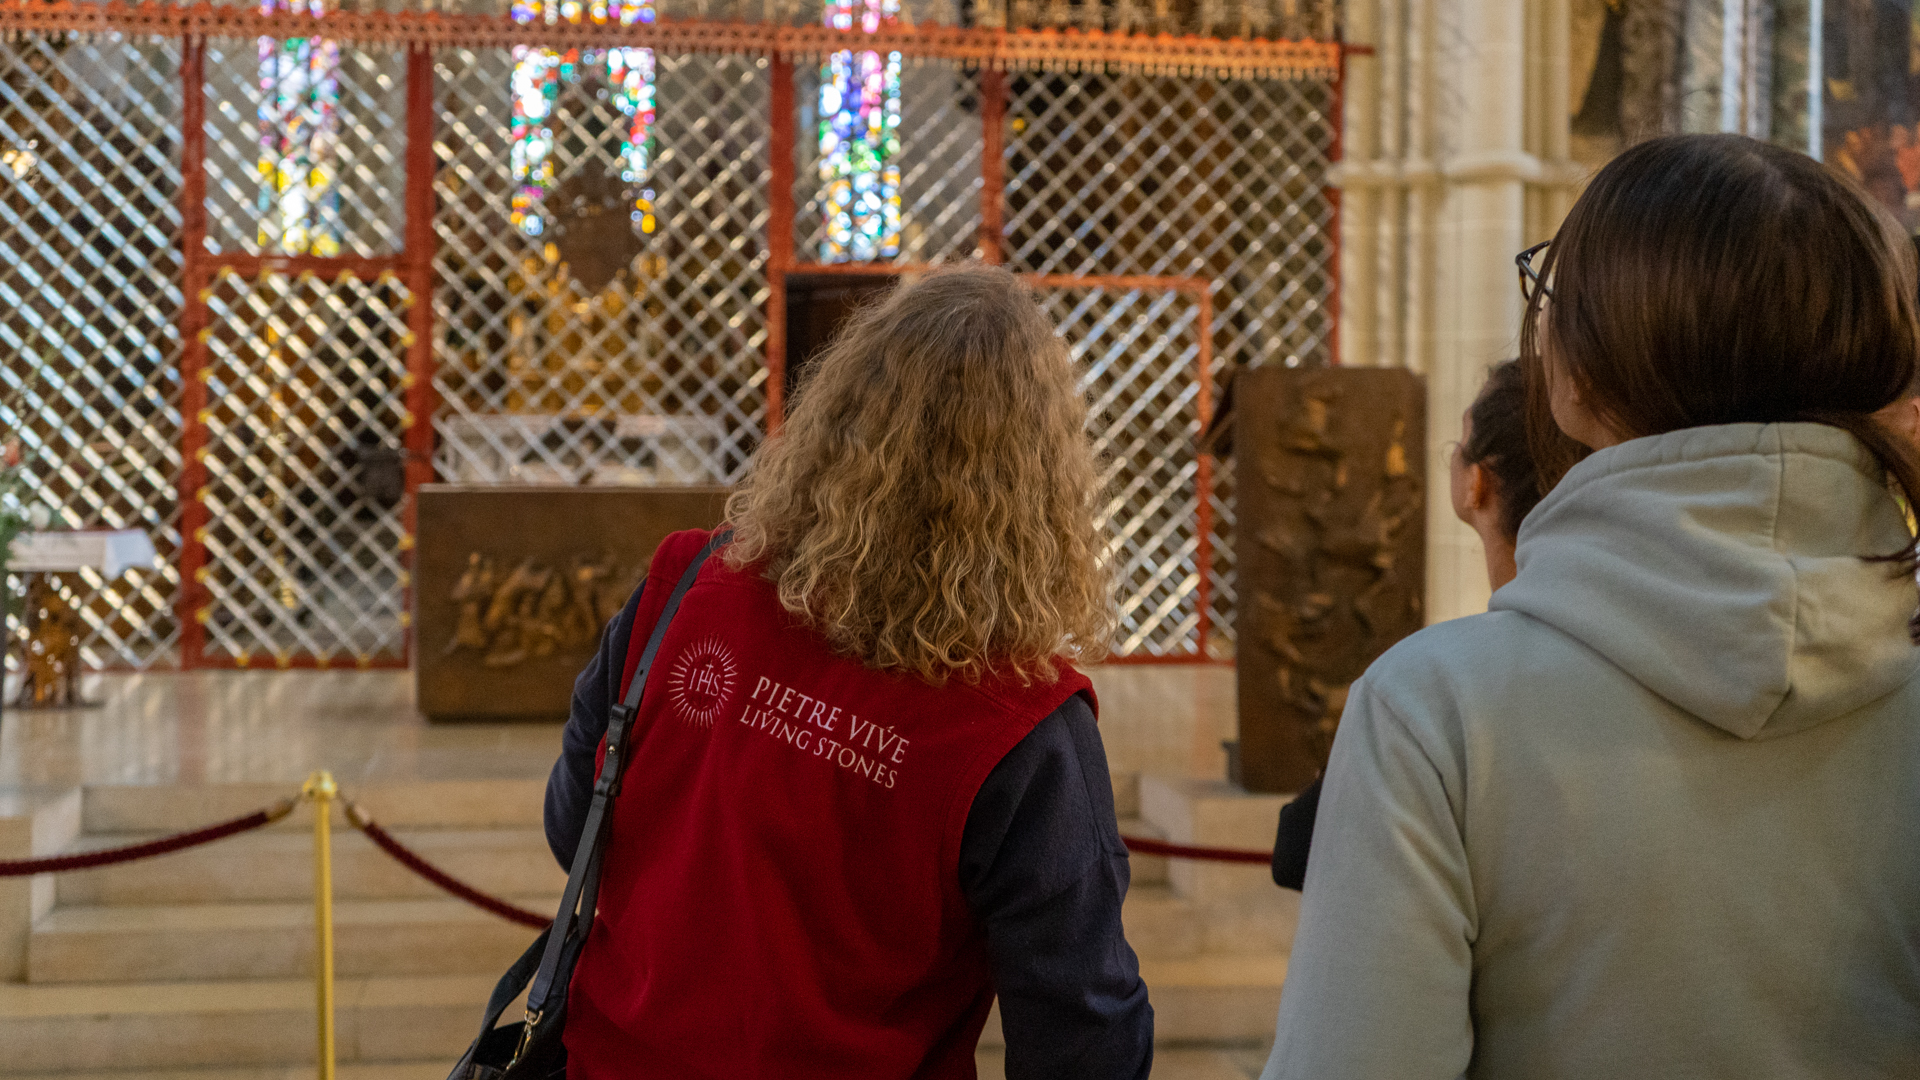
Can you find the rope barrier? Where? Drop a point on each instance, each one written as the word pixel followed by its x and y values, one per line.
pixel 363 821
pixel 1142 846
pixel 164 846
pixel 322 792
pixel 400 853
pixel 385 841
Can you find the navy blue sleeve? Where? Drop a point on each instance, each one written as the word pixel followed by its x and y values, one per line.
pixel 1295 838
pixel 570 786
pixel 1043 869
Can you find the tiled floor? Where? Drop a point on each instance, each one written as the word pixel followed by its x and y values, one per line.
pixel 227 726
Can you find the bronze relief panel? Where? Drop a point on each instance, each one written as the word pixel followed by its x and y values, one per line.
pixel 1330 477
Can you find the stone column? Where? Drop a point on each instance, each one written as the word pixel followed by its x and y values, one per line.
pixel 1482 223
pixel 1457 135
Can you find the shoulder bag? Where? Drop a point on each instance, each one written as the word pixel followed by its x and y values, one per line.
pixel 531 1049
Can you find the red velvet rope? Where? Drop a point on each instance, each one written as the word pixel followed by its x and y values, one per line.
pixel 1144 846
pixel 385 841
pixel 521 915
pixel 524 917
pixel 163 846
pixel 439 877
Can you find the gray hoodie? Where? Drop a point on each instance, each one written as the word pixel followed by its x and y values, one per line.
pixel 1656 814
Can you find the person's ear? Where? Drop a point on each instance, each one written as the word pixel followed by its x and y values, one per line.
pixel 1479 487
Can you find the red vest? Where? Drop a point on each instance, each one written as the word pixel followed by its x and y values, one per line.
pixel 781 892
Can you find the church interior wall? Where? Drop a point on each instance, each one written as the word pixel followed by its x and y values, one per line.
pixel 1470 126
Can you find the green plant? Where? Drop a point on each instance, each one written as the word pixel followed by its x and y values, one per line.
pixel 13 502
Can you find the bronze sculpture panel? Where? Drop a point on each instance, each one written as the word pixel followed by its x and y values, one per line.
pixel 513 585
pixel 1329 475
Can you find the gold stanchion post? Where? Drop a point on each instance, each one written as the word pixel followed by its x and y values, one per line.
pixel 320 790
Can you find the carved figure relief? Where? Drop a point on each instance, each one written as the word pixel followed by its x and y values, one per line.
pixel 532 610
pixel 1331 554
pixel 52 647
pixel 513 586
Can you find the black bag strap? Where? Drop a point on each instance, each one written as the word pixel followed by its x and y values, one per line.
pixel 577 904
pixel 514 981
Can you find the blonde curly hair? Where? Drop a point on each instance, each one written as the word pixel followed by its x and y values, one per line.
pixel 929 504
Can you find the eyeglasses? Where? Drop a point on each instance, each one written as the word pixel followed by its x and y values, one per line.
pixel 1529 277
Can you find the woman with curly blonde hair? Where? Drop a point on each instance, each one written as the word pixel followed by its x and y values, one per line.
pixel 865 791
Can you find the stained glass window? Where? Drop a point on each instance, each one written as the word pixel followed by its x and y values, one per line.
pixel 299 140
pixel 538 75
pixel 860 139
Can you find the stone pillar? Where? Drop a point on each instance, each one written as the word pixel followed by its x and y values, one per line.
pixel 1482 223
pixel 1457 137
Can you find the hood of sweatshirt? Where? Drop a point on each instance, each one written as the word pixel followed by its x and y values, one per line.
pixel 1721 567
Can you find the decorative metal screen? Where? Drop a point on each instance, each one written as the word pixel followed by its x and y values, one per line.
pixel 299 178
pixel 940 175
pixel 304 546
pixel 355 158
pixel 90 307
pixel 1222 179
pixel 657 379
pixel 1139 357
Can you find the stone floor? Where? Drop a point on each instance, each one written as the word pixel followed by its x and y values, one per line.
pixel 203 728
pixel 253 726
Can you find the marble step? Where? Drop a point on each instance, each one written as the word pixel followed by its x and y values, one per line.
pixel 269 1024
pixel 467 804
pixel 433 1069
pixel 1160 923
pixel 263 867
pixel 1210 1063
pixel 1241 1063
pixel 205 942
pixel 273 864
pixel 253 1023
pixel 435 936
pixel 278 866
pixel 1147 869
pixel 1213 999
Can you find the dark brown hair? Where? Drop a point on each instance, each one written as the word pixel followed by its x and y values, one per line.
pixel 1498 441
pixel 1717 279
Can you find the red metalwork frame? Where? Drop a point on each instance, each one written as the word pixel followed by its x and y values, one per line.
pixel 189 606
pixel 200 268
pixel 1201 289
pixel 993 90
pixel 414 263
pixel 417 258
pixel 781 121
pixel 993 173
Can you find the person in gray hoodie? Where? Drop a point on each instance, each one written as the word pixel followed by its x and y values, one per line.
pixel 1657 812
